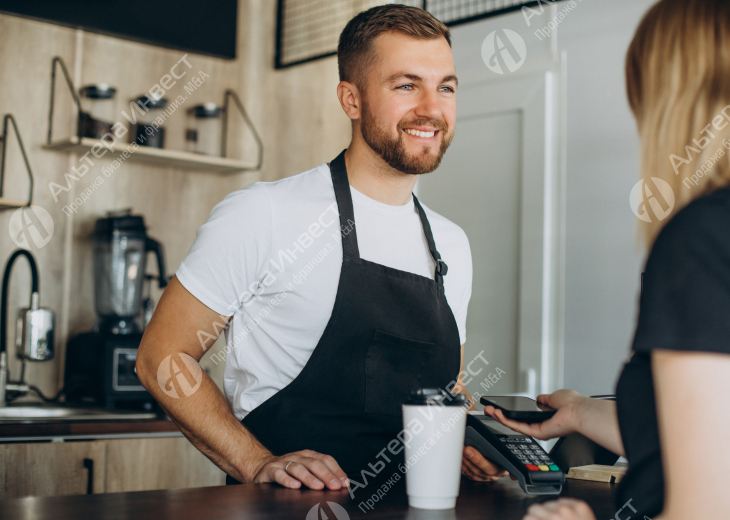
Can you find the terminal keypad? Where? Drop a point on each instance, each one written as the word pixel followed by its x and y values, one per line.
pixel 529 453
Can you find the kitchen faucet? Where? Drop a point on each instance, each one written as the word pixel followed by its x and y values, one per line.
pixel 34 331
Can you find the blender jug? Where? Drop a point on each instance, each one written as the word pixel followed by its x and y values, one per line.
pixel 121 245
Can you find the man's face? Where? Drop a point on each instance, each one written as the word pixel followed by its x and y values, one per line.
pixel 409 105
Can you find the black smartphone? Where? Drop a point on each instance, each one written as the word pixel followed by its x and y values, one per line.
pixel 521 409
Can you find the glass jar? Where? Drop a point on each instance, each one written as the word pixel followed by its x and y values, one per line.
pixel 145 133
pixel 203 134
pixel 98 109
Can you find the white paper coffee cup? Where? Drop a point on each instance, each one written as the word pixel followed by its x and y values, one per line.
pixel 436 421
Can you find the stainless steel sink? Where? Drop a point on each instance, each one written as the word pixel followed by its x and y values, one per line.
pixel 29 412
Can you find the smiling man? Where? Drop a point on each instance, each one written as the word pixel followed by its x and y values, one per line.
pixel 333 284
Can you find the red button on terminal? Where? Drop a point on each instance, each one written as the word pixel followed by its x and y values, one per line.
pixel 532 467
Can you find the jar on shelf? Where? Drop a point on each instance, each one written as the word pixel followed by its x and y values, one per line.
pixel 98 110
pixel 145 133
pixel 203 134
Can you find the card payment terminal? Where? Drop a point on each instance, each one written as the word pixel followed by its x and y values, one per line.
pixel 519 454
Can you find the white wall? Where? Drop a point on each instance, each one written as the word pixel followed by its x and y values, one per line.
pixel 603 259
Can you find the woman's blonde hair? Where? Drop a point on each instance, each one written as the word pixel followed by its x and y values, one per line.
pixel 678 84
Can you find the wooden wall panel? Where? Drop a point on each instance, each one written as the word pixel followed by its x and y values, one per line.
pixel 295 110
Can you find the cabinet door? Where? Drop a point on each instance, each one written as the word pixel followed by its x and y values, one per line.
pixel 158 463
pixel 50 469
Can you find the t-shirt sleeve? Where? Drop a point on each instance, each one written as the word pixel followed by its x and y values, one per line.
pixel 685 303
pixel 460 308
pixel 231 251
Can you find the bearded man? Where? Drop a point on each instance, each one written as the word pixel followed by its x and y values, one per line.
pixel 331 285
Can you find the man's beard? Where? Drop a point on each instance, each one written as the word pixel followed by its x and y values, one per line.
pixel 393 151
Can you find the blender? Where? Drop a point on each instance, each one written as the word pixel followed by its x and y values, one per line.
pixel 121 245
pixel 100 365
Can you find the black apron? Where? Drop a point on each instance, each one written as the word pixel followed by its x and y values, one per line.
pixel 390 332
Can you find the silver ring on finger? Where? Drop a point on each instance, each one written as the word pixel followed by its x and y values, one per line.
pixel 287 466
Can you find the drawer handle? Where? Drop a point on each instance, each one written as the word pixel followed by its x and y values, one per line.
pixel 89 464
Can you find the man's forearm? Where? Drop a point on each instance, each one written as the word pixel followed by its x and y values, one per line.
pixel 205 419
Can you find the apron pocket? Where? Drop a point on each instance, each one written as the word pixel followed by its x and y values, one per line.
pixel 393 368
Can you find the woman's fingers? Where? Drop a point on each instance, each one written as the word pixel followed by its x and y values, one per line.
pixel 543 398
pixel 533 430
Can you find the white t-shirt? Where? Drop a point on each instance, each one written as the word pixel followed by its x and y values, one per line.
pixel 270 256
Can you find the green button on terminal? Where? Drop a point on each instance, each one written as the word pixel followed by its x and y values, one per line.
pixel 553 467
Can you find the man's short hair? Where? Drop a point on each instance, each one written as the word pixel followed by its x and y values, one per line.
pixel 356 49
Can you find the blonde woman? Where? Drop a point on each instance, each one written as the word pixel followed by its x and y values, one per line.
pixel 672 414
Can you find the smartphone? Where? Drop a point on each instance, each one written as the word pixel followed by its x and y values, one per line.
pixel 521 409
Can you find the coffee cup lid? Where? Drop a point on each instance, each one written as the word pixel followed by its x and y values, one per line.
pixel 436 396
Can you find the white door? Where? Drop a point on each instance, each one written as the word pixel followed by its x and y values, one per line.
pixel 501 182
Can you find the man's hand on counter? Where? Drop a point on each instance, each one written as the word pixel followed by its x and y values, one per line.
pixel 476 467
pixel 304 467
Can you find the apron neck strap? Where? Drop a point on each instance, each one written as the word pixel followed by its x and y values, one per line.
pixel 344 204
pixel 441 267
pixel 347 218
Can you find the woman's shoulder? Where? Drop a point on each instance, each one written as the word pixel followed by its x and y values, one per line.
pixel 704 221
pixel 686 287
pixel 704 210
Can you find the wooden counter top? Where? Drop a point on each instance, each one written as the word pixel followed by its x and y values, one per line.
pixel 88 428
pixel 502 500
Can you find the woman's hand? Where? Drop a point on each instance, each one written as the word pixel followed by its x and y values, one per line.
pixel 562 509
pixel 566 420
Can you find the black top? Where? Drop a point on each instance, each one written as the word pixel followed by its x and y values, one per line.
pixel 685 305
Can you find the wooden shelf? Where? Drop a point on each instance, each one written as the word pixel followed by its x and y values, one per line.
pixel 12 204
pixel 157 156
